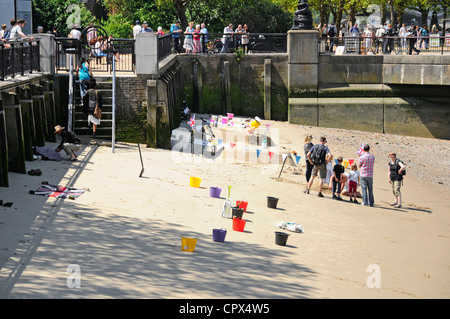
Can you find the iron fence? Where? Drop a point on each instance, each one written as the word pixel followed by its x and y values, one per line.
pixel 19 57
pixel 223 43
pixel 385 45
pixel 100 56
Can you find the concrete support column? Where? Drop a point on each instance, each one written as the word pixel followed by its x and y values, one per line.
pixel 152 99
pixel 226 88
pixel 267 89
pixel 47 49
pixel 14 133
pixel 303 73
pixel 29 132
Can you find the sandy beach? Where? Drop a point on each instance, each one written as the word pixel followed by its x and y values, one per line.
pixel 124 233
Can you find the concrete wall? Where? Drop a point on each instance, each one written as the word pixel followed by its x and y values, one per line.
pixel 406 95
pixel 218 84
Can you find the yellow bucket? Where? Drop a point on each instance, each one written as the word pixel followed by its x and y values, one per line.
pixel 254 124
pixel 195 181
pixel 188 244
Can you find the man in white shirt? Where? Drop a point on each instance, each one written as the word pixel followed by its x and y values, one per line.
pixel 226 39
pixel 75 33
pixel 136 29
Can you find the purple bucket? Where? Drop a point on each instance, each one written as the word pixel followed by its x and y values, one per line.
pixel 219 235
pixel 215 192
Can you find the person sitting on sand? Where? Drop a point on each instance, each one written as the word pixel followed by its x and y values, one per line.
pixel 345 186
pixel 69 143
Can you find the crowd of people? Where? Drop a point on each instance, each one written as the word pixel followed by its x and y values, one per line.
pixel 381 39
pixel 319 162
pixel 14 31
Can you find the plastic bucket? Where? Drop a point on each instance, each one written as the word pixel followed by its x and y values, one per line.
pixel 242 204
pixel 195 181
pixel 272 202
pixel 281 238
pixel 188 244
pixel 238 224
pixel 237 212
pixel 224 120
pixel 215 192
pixel 230 115
pixel 219 235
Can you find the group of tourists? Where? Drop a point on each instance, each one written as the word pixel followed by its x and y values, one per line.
pixel 381 39
pixel 318 157
pixel 196 36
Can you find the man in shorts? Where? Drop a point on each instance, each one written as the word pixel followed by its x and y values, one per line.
pixel 317 157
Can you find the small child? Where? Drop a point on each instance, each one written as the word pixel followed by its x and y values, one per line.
pixel 353 181
pixel 336 178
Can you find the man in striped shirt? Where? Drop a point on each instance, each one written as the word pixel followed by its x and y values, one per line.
pixel 366 163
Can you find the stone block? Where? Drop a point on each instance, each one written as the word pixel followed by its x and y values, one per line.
pixel 303 111
pixel 303 46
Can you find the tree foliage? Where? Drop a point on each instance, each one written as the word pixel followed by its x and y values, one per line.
pixel 60 13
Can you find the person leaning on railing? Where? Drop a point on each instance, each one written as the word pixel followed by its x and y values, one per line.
pixel 17 33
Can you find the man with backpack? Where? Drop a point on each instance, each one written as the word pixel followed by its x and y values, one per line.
pixel 317 157
pixel 332 35
pixel 395 173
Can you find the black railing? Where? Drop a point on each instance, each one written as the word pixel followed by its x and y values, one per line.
pixel 223 43
pixel 19 57
pixel 100 57
pixel 384 45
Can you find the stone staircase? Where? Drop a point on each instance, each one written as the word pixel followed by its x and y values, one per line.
pixel 104 130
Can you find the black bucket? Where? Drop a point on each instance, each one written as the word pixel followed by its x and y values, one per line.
pixel 237 212
pixel 281 238
pixel 272 202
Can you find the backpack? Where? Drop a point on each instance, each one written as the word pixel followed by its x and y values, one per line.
pixel 397 163
pixel 332 32
pixel 318 155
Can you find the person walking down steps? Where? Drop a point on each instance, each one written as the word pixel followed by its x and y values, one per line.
pixel 92 106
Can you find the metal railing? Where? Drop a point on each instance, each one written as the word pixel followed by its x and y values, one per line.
pixel 214 43
pixel 122 50
pixel 384 45
pixel 19 57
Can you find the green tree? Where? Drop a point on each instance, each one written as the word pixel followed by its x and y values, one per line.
pixel 49 13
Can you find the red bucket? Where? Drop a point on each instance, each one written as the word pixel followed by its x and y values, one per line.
pixel 242 204
pixel 238 224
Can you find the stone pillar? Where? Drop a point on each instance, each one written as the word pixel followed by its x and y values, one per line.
pixel 146 50
pixel 4 182
pixel 267 89
pixel 303 70
pixel 47 50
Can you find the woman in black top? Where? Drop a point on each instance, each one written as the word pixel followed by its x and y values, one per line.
pixel 309 166
pixel 395 172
